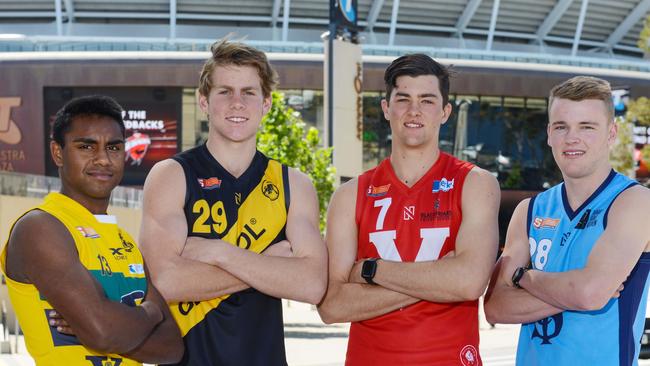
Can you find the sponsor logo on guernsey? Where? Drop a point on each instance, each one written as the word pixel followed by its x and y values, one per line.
pixel 435 216
pixel 443 185
pixel 378 191
pixel 409 213
pixel 469 356
pixel 270 190
pixel 136 268
pixel 209 183
pixel 545 222
pixel 88 232
pixel 104 361
pixel 117 253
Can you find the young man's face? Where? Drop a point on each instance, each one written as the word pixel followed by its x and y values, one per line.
pixel 580 135
pixel 235 105
pixel 415 110
pixel 91 162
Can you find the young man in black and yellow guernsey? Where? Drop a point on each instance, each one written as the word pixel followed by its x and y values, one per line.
pixel 63 255
pixel 226 231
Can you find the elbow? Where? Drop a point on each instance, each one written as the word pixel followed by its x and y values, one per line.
pixel 329 311
pixel 492 314
pixel 327 315
pixel 317 292
pixel 99 339
pixel 172 354
pixel 591 297
pixel 163 282
pixel 471 291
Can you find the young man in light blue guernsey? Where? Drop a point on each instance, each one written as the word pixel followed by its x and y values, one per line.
pixel 575 267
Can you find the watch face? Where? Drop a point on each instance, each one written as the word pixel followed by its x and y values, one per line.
pixel 368 269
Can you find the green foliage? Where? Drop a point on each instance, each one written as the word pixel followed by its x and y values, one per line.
pixel 284 137
pixel 639 110
pixel 621 155
pixel 644 37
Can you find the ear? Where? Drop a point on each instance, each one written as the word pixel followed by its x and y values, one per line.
pixel 548 134
pixel 203 103
pixel 384 108
pixel 266 104
pixel 446 112
pixel 613 132
pixel 57 153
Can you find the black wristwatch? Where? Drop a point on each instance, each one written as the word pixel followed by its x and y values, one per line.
pixel 519 273
pixel 368 270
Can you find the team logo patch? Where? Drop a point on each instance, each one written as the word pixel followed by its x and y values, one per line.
pixel 409 213
pixel 469 356
pixel 209 183
pixel 378 191
pixel 136 268
pixel 545 222
pixel 136 147
pixel 88 232
pixel 443 185
pixel 270 190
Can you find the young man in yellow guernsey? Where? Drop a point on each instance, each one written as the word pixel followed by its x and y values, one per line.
pixel 226 231
pixel 76 280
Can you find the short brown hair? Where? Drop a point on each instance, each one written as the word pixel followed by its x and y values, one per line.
pixel 415 65
pixel 225 52
pixel 584 87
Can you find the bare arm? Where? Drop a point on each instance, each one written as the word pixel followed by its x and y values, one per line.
pixel 99 323
pixel 505 303
pixel 164 344
pixel 611 260
pixel 448 279
pixel 300 277
pixel 346 301
pixel 162 238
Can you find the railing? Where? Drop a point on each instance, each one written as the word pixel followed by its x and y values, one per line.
pixel 38 186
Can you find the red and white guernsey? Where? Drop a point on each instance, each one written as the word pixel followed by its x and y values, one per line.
pixel 398 223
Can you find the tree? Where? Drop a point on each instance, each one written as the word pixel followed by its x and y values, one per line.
pixel 284 137
pixel 622 153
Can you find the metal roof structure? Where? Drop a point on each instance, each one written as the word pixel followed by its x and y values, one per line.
pixel 475 29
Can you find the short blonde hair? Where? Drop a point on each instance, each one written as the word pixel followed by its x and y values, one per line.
pixel 581 88
pixel 225 52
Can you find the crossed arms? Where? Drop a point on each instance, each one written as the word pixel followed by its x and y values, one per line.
pixel 547 293
pixel 197 269
pixel 460 277
pixel 146 333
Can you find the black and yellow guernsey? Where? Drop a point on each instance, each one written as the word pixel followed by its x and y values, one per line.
pixel 244 328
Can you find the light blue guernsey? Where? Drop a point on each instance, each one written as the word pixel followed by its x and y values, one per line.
pixel 560 240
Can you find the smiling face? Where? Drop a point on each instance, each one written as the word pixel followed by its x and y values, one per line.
pixel 235 105
pixel 91 160
pixel 415 111
pixel 580 135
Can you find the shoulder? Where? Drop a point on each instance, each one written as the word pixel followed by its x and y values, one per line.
pixel 166 181
pixel 299 181
pixel 481 181
pixel 633 201
pixel 168 170
pixel 35 226
pixel 346 194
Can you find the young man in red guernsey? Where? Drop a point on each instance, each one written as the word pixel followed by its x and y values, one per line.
pixel 412 242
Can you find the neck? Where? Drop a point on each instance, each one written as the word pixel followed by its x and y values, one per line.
pixel 235 157
pixel 96 206
pixel 578 190
pixel 412 164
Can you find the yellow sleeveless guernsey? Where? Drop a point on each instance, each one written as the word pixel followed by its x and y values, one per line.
pixel 109 255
